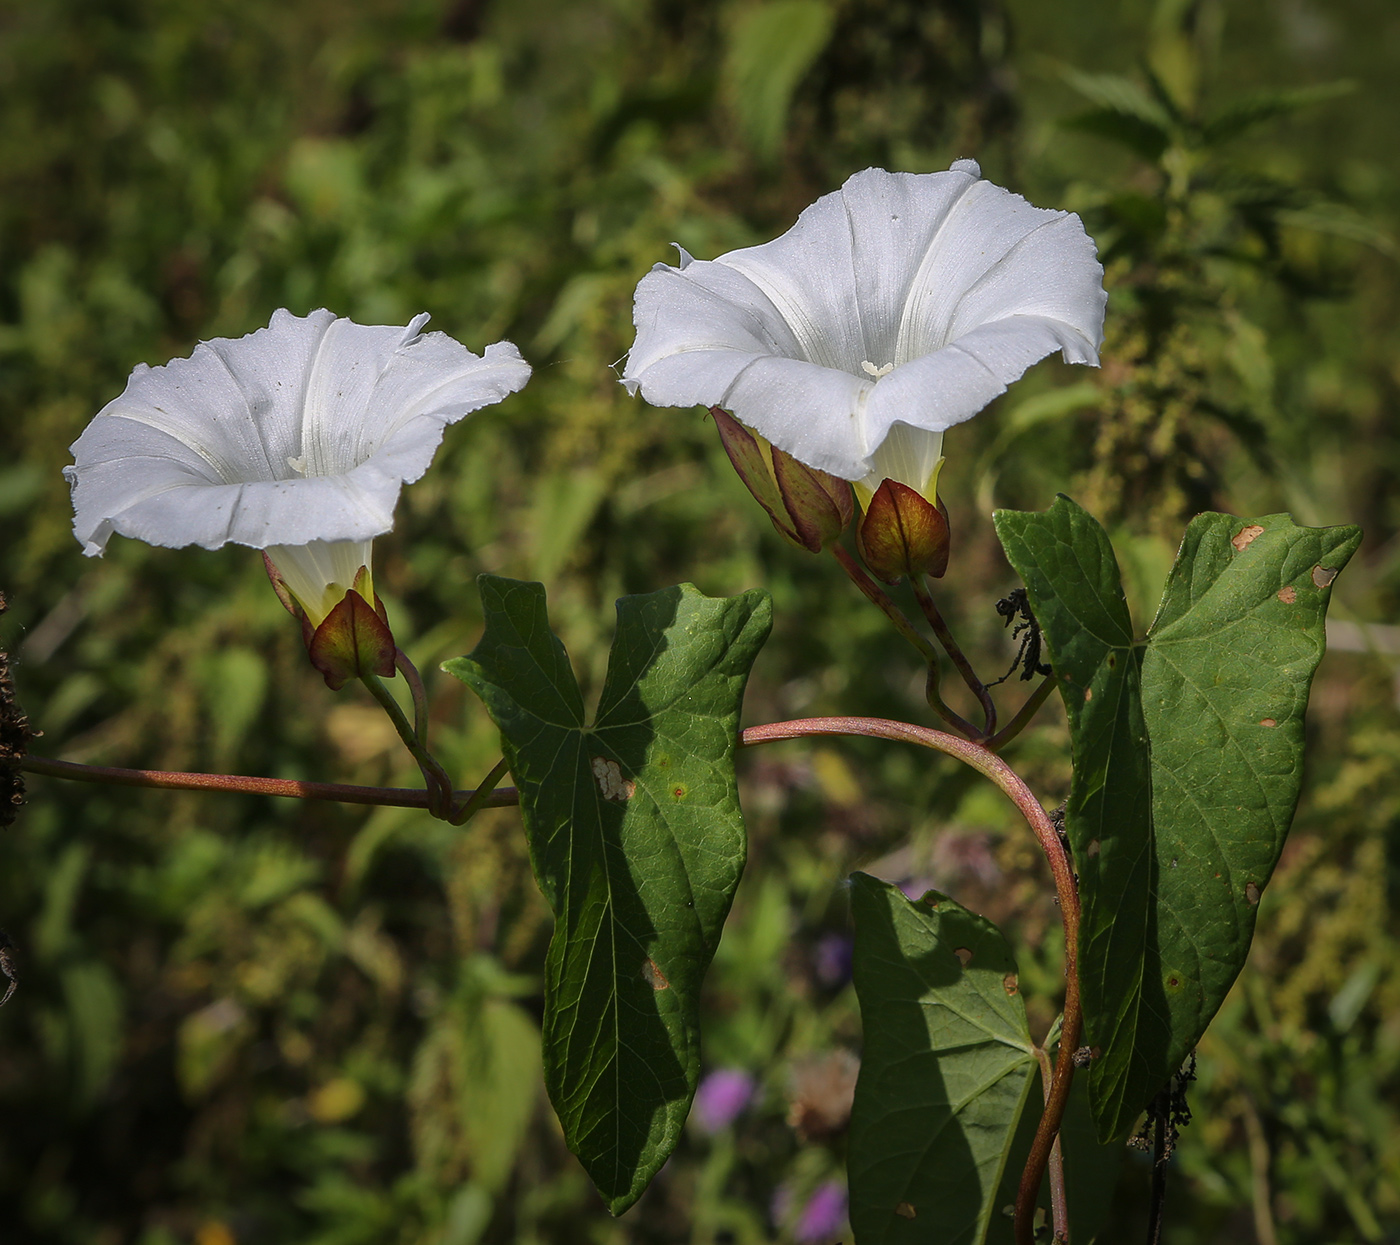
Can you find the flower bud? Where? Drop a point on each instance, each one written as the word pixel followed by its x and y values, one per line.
pixel 352 640
pixel 809 507
pixel 902 534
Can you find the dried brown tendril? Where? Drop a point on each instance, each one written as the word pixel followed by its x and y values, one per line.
pixel 14 740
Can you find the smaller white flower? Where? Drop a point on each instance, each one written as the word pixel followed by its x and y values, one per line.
pixel 893 309
pixel 295 439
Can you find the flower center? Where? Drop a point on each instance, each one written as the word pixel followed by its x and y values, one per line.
pixel 871 370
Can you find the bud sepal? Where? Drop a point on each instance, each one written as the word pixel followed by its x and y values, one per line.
pixel 808 507
pixel 352 642
pixel 902 534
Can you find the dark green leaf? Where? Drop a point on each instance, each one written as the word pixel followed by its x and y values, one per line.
pixel 1091 1169
pixel 1141 137
pixel 1174 840
pixel 946 1071
pixel 1266 105
pixel 1076 592
pixel 1225 678
pixel 637 842
pixel 1122 96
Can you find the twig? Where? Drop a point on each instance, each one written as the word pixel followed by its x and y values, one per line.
pixel 289 788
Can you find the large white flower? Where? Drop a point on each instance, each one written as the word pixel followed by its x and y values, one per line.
pixel 893 309
pixel 294 439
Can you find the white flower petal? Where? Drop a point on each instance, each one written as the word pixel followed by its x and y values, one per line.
pixel 303 431
pixel 320 572
pixel 955 383
pixel 705 307
pixel 940 288
pixel 907 454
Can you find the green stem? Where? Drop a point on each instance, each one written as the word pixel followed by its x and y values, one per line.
pixel 1023 715
pixel 439 784
pixel 417 691
pixel 950 646
pixel 881 599
pixel 481 796
pixel 240 784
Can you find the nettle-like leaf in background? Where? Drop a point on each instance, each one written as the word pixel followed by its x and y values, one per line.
pixel 946 1071
pixel 1188 758
pixel 637 842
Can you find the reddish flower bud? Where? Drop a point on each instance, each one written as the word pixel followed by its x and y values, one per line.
pixel 354 640
pixel 902 534
pixel 809 507
pixel 819 505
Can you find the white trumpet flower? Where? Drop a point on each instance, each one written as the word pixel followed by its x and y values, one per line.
pixel 893 309
pixel 295 439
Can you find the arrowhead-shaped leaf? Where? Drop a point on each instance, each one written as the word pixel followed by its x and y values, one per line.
pixel 1225 678
pixel 637 842
pixel 1187 760
pixel 946 1070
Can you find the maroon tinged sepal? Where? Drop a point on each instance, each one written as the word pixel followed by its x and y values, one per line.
pixel 353 640
pixel 902 534
pixel 809 507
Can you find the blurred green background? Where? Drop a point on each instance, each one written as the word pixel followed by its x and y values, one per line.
pixel 252 1021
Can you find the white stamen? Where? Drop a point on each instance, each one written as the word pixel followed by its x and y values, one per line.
pixel 871 370
pixel 298 465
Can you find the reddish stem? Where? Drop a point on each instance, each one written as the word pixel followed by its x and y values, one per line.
pixel 176 780
pixel 971 753
pixel 992 766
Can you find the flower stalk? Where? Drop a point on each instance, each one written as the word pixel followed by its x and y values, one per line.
pixel 439 784
pixel 959 658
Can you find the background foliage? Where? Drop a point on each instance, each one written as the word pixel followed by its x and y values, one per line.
pixel 247 1021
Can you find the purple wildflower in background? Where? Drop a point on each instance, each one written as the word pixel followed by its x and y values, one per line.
pixel 831 960
pixel 721 1098
pixel 824 1216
